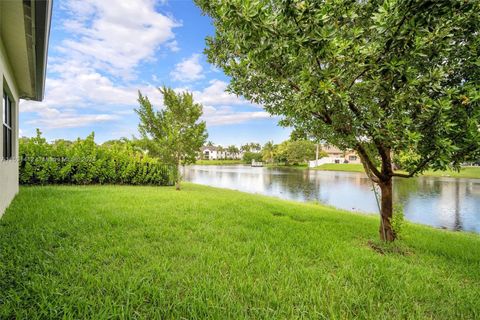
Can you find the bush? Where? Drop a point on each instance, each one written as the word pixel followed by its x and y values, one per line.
pixel 398 220
pixel 295 152
pixel 85 162
pixel 249 156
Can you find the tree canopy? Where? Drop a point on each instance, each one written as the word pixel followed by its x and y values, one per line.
pixel 176 129
pixel 295 151
pixel 268 152
pixel 379 77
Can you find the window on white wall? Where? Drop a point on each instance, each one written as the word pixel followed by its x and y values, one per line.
pixel 7 126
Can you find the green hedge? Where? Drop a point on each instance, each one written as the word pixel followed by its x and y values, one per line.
pixel 85 162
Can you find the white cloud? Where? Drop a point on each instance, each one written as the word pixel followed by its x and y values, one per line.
pixel 78 88
pixel 188 69
pixel 215 94
pixel 116 35
pixel 173 46
pixel 216 116
pixel 77 85
pixel 215 69
pixel 71 120
pixel 106 39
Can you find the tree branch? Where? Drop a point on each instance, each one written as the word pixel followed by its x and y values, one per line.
pixel 368 164
pixel 323 116
pixel 388 45
pixel 319 65
pixel 420 167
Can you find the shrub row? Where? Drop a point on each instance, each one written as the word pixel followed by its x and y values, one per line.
pixel 85 162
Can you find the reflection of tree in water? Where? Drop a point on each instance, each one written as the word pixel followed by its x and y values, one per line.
pixel 404 188
pixel 297 182
pixel 458 221
pixel 447 193
pixel 431 185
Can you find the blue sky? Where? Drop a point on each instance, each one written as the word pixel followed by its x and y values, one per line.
pixel 102 52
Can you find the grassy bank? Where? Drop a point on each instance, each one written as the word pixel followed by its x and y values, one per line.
pixel 301 166
pixel 350 167
pixel 218 162
pixel 465 172
pixel 152 252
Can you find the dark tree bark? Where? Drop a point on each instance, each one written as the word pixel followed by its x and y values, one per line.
pixel 383 178
pixel 386 211
pixel 386 206
pixel 179 176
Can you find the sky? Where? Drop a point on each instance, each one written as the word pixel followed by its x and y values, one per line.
pixel 102 52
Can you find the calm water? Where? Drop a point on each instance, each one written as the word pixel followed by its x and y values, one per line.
pixel 441 202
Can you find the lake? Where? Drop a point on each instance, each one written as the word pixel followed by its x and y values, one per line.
pixel 448 203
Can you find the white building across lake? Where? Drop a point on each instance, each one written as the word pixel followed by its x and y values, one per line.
pixel 335 155
pixel 219 153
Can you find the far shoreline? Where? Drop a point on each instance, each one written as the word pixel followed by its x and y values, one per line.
pixel 467 172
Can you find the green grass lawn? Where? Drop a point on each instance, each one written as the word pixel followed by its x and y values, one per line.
pixel 465 172
pixel 122 252
pixel 301 166
pixel 350 167
pixel 218 162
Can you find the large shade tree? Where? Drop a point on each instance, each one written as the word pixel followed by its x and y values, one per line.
pixel 176 130
pixel 381 77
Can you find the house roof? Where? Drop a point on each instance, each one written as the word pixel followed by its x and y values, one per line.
pixel 330 149
pixel 24 32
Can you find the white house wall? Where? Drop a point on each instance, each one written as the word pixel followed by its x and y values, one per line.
pixel 216 155
pixel 8 169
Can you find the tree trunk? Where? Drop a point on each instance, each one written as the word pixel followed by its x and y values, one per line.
pixel 386 231
pixel 179 176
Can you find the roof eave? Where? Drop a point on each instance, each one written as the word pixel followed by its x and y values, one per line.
pixel 42 21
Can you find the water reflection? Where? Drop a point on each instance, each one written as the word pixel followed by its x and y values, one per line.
pixel 441 202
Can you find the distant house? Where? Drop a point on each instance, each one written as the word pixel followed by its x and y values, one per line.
pixel 212 153
pixel 24 33
pixel 218 153
pixel 335 155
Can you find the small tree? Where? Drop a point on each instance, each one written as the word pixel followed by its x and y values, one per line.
pixel 281 152
pixel 299 151
pixel 233 151
pixel 380 77
pixel 250 156
pixel 255 147
pixel 268 152
pixel 221 151
pixel 176 129
pixel 251 147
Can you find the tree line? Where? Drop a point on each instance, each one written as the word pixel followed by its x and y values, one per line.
pixel 289 152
